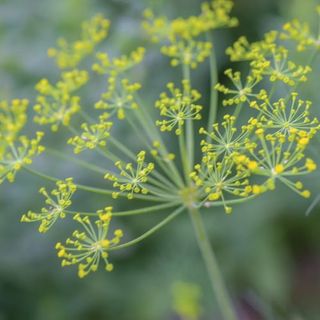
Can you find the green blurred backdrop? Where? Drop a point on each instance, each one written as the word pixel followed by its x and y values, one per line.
pixel 268 249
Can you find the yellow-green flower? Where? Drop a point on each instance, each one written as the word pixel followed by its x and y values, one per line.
pixel 219 179
pixel 132 179
pixel 178 107
pixel 287 116
pixel 301 33
pixel 89 246
pixel 69 55
pixel 225 138
pixel 242 92
pixel 279 157
pixel 56 201
pixel 15 155
pixel 118 65
pixel 92 135
pixel 13 117
pixel 187 52
pixel 119 97
pixel 56 104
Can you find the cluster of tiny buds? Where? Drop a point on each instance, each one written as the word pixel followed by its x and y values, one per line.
pixel 88 246
pixel 131 180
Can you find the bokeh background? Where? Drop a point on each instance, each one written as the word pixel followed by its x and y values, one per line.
pixel 268 249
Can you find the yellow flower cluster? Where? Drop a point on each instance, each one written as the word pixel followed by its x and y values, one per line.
pixel 241 92
pixel 56 201
pixel 225 138
pixel 13 117
pixel 270 146
pixel 89 246
pixel 116 66
pixel 278 157
pixel 243 50
pixel 218 178
pixel 15 155
pixel 69 55
pixel 213 15
pixel 119 97
pixel 92 135
pixel 268 59
pixel 16 150
pixel 120 94
pixel 55 103
pixel 301 33
pixel 182 34
pixel 131 179
pixel 286 116
pixel 179 106
pixel 189 53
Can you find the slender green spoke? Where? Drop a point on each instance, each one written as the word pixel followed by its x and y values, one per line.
pixel 184 156
pixel 213 269
pixel 237 111
pixel 86 116
pixel 41 175
pixel 96 190
pixel 126 151
pixel 214 79
pixel 90 214
pixel 81 163
pixel 167 183
pixel 189 125
pixel 161 193
pixel 144 210
pixel 162 185
pixel 115 142
pixel 174 176
pixel 150 129
pixel 310 62
pixel 147 209
pixel 209 204
pixel 164 222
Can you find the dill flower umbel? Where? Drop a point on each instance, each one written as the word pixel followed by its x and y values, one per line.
pixel 178 107
pixel 230 160
pixel 90 246
pixel 131 179
pixel 57 201
pixel 56 104
pixel 93 135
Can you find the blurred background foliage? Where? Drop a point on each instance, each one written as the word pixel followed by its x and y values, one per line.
pixel 268 249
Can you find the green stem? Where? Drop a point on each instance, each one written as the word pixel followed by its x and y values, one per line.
pixel 81 163
pixel 93 189
pixel 309 63
pixel 214 272
pixel 169 218
pixel 184 155
pixel 131 212
pixel 150 129
pixel 209 204
pixel 213 81
pixel 114 158
pixel 189 125
pixel 237 111
pixel 143 138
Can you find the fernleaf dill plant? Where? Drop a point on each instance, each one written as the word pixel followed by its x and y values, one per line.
pixel 240 159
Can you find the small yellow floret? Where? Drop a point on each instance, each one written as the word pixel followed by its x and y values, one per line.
pixel 279 168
